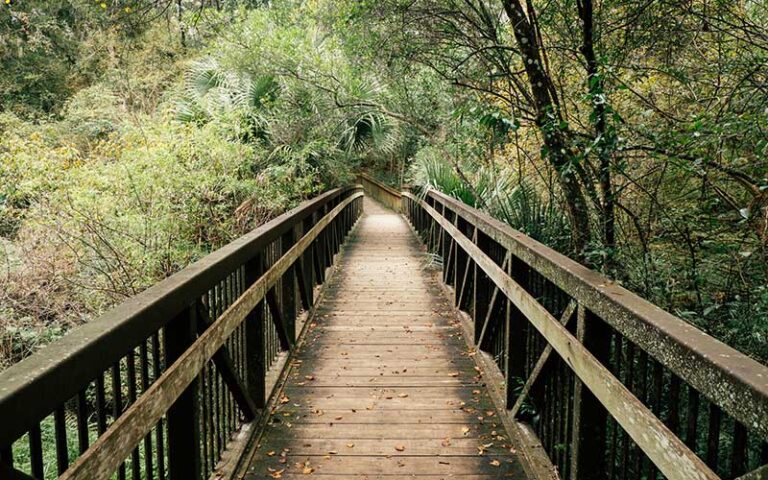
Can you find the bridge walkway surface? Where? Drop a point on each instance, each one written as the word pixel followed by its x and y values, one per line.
pixel 383 384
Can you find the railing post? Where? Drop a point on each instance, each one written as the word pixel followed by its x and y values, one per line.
pixel 588 460
pixel 317 251
pixel 288 295
pixel 517 333
pixel 183 417
pixel 449 255
pixel 482 287
pixel 255 347
pixel 307 268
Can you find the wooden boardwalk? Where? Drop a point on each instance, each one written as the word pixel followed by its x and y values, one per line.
pixel 383 385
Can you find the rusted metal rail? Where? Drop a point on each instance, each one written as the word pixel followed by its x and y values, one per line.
pixel 614 387
pixel 157 387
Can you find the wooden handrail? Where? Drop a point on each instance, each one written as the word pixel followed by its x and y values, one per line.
pixel 735 384
pixel 104 456
pixel 384 194
pixel 138 342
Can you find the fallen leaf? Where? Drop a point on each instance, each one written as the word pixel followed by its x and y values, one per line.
pixel 400 448
pixel 284 399
pixel 465 430
pixel 276 473
pixel 350 445
pixel 495 463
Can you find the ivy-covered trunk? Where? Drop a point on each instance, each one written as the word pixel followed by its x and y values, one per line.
pixel 557 143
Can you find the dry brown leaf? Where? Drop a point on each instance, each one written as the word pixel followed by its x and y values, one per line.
pixel 400 448
pixel 276 473
pixel 495 463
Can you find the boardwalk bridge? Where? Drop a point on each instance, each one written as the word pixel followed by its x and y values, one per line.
pixel 372 334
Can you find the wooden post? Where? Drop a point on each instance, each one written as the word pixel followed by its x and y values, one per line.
pixel 183 425
pixel 255 347
pixel 588 460
pixel 288 294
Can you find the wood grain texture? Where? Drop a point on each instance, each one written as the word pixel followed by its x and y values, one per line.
pixel 384 386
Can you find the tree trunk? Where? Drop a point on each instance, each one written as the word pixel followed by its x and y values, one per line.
pixel 604 135
pixel 550 122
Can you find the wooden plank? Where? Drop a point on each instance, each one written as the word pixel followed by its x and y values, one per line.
pixel 663 447
pixel 376 416
pixel 397 446
pixel 108 452
pixel 508 466
pixel 385 368
pixel 383 430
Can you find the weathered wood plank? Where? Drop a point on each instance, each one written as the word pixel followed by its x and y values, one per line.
pixel 508 466
pixel 385 368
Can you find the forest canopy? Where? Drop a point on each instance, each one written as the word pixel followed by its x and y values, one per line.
pixel 137 136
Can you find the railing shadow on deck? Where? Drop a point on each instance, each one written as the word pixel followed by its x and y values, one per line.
pixel 613 386
pixel 158 386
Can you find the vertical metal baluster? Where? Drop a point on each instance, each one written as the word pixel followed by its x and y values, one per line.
pixel 117 405
pixel 82 421
pixel 159 430
pixel 36 451
pixel 144 373
pixel 60 434
pixel 131 374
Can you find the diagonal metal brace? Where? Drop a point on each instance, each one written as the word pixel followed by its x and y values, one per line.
pixel 286 342
pixel 564 319
pixel 226 369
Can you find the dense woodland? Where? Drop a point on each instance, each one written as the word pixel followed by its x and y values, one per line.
pixel 138 135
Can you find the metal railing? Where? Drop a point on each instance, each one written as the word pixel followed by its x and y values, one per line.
pixel 614 387
pixel 158 386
